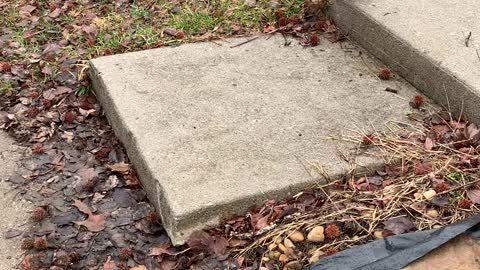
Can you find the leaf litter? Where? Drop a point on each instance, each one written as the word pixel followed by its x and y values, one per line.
pixel 91 212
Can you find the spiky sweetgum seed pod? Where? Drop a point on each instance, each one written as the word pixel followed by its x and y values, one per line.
pixel 40 243
pixel 442 187
pixel 331 251
pixel 74 256
pixel 180 34
pixel 64 260
pixel 38 214
pixel 88 185
pixel 125 253
pixel 313 40
pixel 27 243
pixel 464 203
pixel 416 102
pixel 282 21
pixel 385 74
pixel 152 217
pixel 332 231
pixel 368 139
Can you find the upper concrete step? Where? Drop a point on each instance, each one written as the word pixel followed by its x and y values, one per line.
pixel 213 130
pixel 435 45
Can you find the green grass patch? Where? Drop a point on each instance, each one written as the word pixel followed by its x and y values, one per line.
pixel 193 22
pixel 138 12
pixel 6 88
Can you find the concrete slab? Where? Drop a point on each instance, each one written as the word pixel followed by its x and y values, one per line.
pixel 213 130
pixel 425 41
pixel 13 210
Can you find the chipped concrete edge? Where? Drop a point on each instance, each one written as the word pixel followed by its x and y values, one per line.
pixel 420 70
pixel 179 227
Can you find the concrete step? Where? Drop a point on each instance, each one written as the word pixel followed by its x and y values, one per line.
pixel 435 45
pixel 213 130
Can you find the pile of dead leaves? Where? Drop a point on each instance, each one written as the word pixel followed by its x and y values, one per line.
pixel 432 180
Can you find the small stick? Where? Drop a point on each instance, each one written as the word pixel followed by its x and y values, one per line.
pixel 391 90
pixel 245 42
pixel 468 38
pixel 478 55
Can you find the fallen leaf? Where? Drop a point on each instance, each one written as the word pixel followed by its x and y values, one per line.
pixel 82 207
pixel 269 29
pixel 68 136
pixel 110 265
pixel 159 250
pixel 375 180
pixel 94 223
pixel 168 265
pixel 54 14
pixel 25 11
pixel 439 200
pixel 202 241
pixel 399 225
pixel 122 167
pixel 429 143
pixel 422 168
pixel 140 267
pixel 474 195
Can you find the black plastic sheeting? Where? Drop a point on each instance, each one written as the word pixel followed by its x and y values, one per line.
pixel 396 252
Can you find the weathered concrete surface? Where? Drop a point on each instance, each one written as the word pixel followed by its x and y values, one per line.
pixel 213 130
pixel 461 253
pixel 13 210
pixel 425 42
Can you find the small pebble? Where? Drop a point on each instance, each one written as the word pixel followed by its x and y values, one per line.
pixel 272 246
pixel 378 234
pixel 437 226
pixel 417 196
pixel 282 248
pixel 432 213
pixel 296 236
pixel 265 259
pixel 293 265
pixel 263 268
pixel 315 256
pixel 283 258
pixel 278 240
pixel 288 243
pixel 388 189
pixel 316 234
pixel 276 254
pixel 429 194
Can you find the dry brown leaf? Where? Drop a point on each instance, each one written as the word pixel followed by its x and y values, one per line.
pixel 168 265
pixel 429 143
pixel 140 267
pixel 82 207
pixel 474 195
pixel 160 250
pixel 94 223
pixel 121 167
pixel 110 265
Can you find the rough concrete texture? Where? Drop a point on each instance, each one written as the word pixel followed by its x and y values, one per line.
pixel 425 41
pixel 213 130
pixel 13 210
pixel 461 253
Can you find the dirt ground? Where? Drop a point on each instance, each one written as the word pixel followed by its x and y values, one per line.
pixel 13 210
